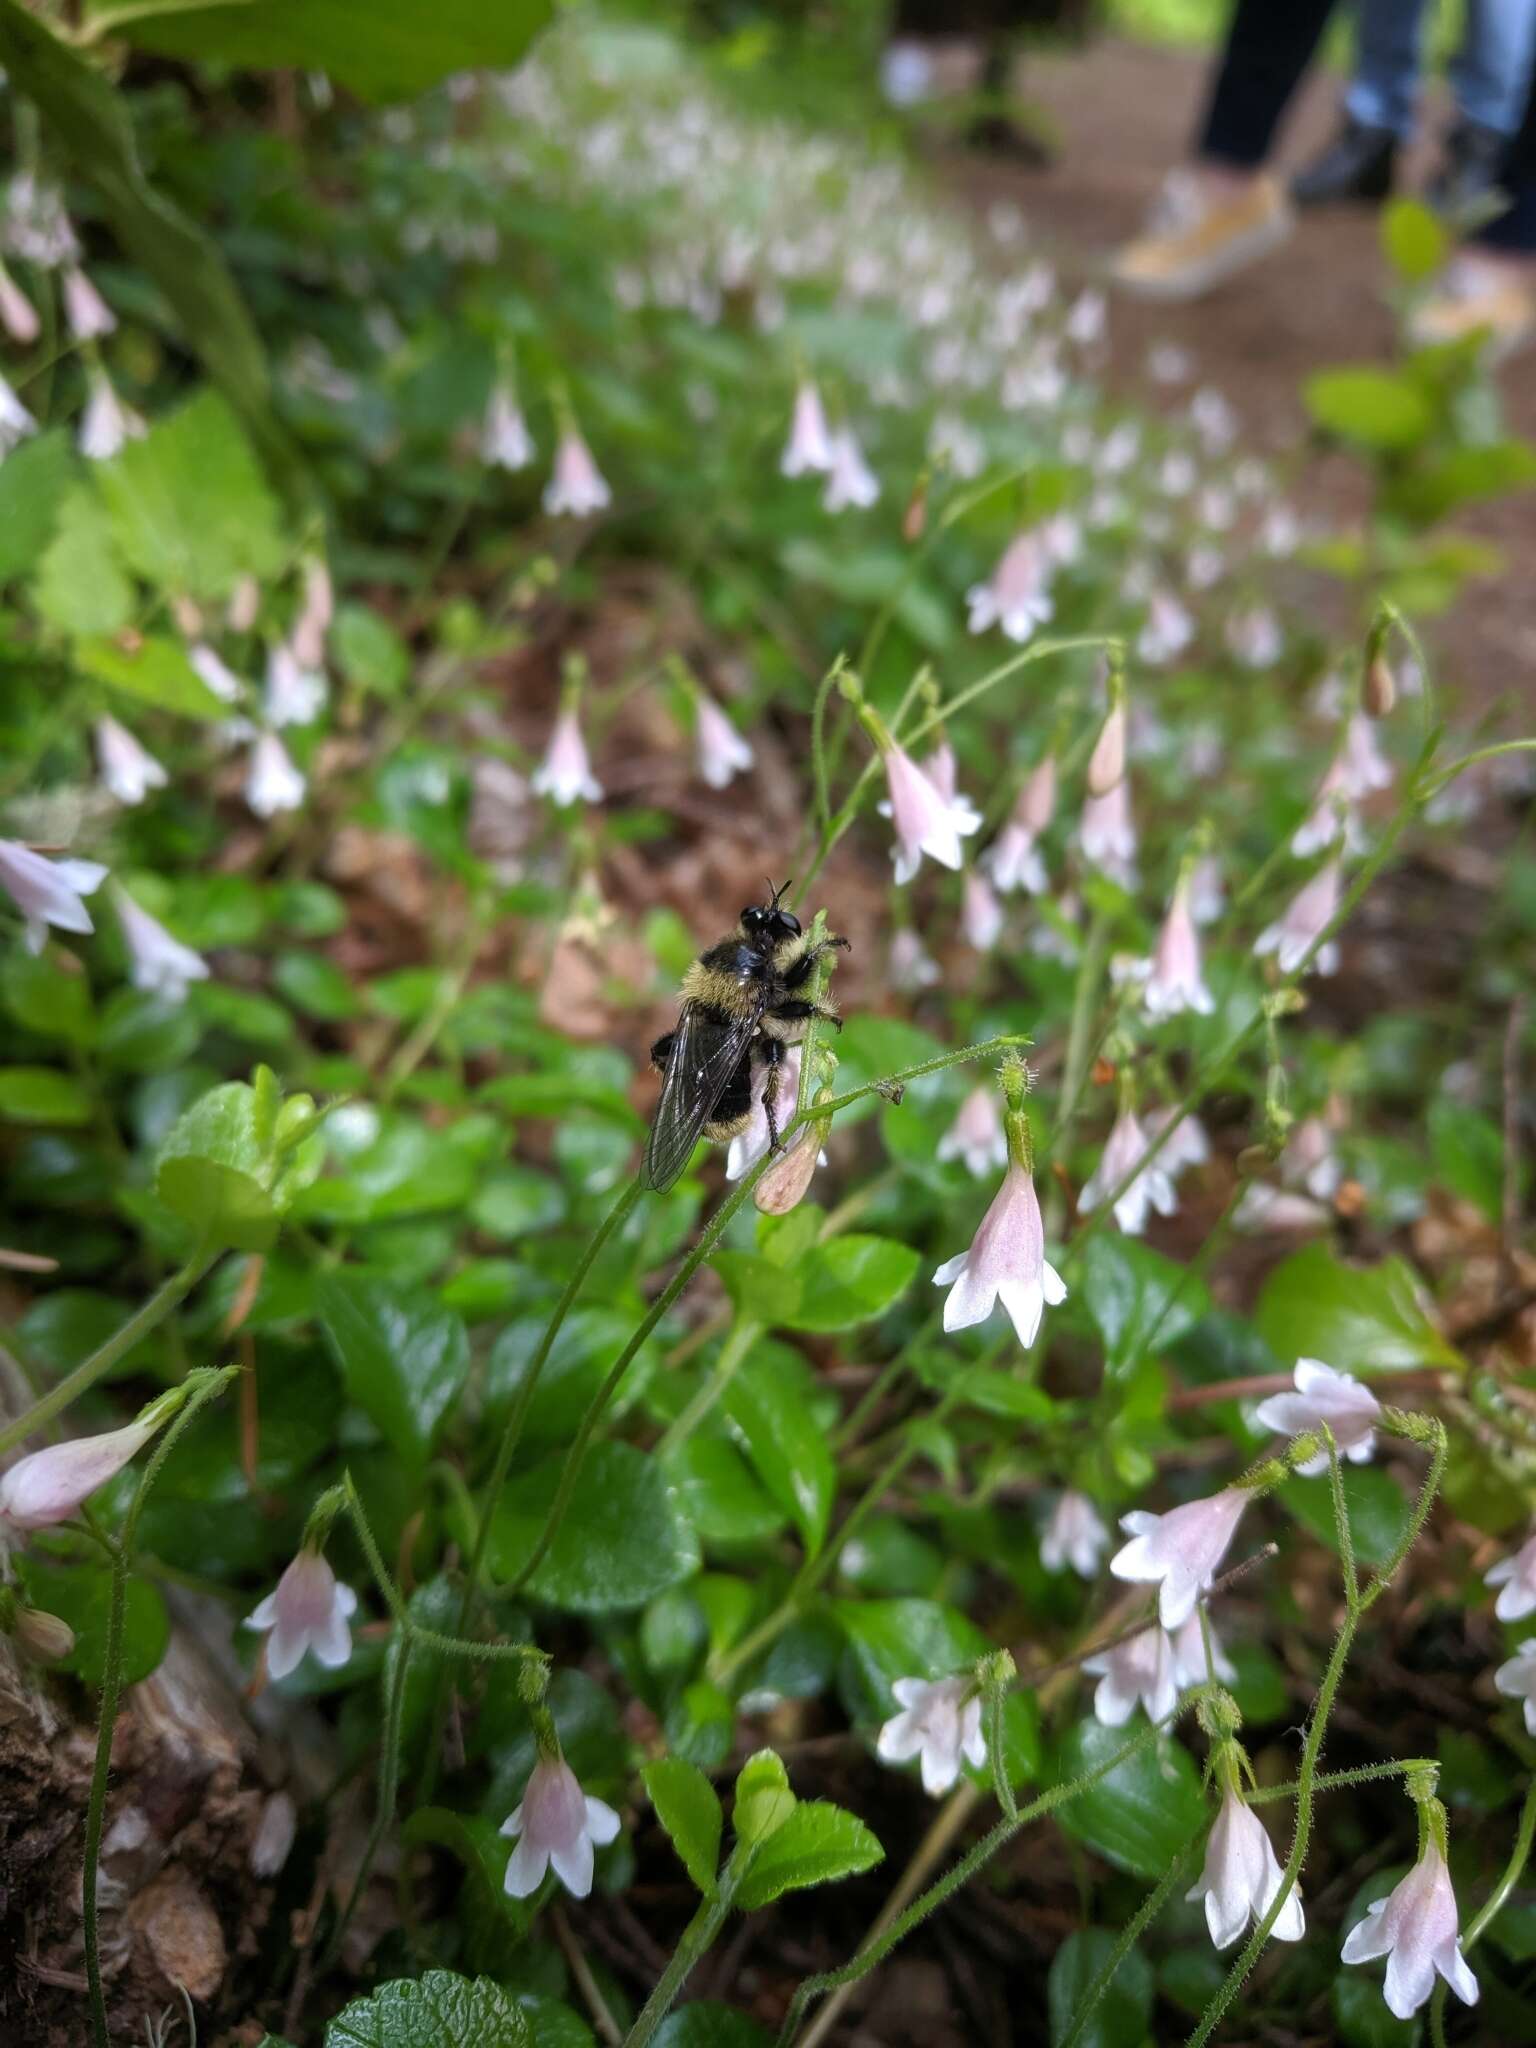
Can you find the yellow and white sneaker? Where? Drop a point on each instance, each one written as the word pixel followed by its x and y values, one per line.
pixel 1195 240
pixel 1480 294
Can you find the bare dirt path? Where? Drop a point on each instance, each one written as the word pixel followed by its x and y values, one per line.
pixel 1125 112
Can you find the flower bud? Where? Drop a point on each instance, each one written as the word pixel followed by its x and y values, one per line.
pixel 1378 691
pixel 1106 764
pixel 51 1485
pixel 784 1185
pixel 46 1637
pixel 915 518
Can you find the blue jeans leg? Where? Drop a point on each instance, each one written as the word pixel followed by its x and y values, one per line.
pixel 1491 73
pixel 1384 91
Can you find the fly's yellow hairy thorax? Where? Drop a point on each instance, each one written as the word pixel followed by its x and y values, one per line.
pixel 734 993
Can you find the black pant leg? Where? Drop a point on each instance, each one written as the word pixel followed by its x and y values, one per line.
pixel 1269 45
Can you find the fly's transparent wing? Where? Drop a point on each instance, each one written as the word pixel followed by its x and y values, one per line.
pixel 705 1053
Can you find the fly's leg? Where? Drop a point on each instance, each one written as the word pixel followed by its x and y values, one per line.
pixel 773 1053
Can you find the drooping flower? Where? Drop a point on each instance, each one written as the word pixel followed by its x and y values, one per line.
pixel 925 821
pixel 1417 1929
pixel 1017 595
pixel 787 1181
pixel 809 447
pixel 1005 1262
pixel 1175 982
pixel 1106 833
pixel 86 311
pixel 1168 629
pixel 1365 767
pixel 1150 1188
pixel 556 1825
pixel 1180 1550
pixel 1013 860
pixel 976 1135
pixel 272 782
pixel 1087 319
pixel 314 619
pixel 1139 1670
pixel 1331 817
pixel 940 1723
pixel 215 673
pixel 1242 1876
pixel 307 1614
pixel 749 1145
pixel 1106 764
pixel 911 966
pixel 505 442
pixel 1190 1665
pixel 18 315
pixel 107 424
pixel 981 915
pixel 577 486
pixel 49 1486
pixel 1516 1679
pixel 1307 917
pixel 15 421
pixel 1516 1579
pixel 295 694
pixel 850 480
pixel 48 892
pixel 1187 1145
pixel 129 770
pixel 1075 1535
pixel 1207 892
pixel 158 964
pixel 1322 1395
pixel 565 773
pixel 722 752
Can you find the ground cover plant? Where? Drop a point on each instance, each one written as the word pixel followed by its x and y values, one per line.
pixel 1049 1537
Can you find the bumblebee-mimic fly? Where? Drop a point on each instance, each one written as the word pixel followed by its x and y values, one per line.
pixel 742 1005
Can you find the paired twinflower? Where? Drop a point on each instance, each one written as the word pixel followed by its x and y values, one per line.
pixel 1006 1260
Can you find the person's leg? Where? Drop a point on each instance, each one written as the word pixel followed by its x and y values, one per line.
pixel 1491 73
pixel 1384 91
pixel 1490 287
pixel 1269 45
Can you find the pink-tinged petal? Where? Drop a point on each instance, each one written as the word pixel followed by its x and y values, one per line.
pixel 1111 1706
pixel 602 1821
pixel 1368 1938
pixel 1136 1561
pixel 908 1691
pixel 513 1824
pixel 1409 1981
pixel 969 1301
pixel 285 1649
pixel 526 1867
pixel 1025 1305
pixel 573 1863
pixel 331 1641
pixel 1456 1971
pixel 1052 1285
pixel 899 1739
pixel 263 1614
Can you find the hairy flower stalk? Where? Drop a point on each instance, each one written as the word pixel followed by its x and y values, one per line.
pixel 1006 1259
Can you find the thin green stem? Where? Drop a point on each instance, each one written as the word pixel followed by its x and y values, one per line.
pixel 1519 1856
pixel 389 1784
pixel 980 1051
pixel 1126 1940
pixel 696 1940
pixel 373 1554
pixel 733 1353
pixel 105 1356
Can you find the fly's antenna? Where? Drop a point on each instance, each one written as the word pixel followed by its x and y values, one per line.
pixel 782 890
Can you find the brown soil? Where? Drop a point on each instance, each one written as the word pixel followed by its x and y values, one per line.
pixel 1125 114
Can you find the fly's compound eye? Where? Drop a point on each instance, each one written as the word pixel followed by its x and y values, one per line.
pixel 789 924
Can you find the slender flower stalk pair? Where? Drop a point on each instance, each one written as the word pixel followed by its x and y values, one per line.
pixel 1006 1260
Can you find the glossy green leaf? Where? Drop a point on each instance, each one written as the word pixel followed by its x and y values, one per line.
pixel 584 1350
pixel 1359 1319
pixel 42 1095
pixel 770 1412
pixel 49 999
pixel 403 1357
pixel 1377 1506
pixel 381 49
pixel 214 1170
pixel 144 1034
pixel 516 1201
pixel 851 1280
pixel 1363 2017
pixel 762 1800
pixel 688 1807
pixel 816 1844
pixel 1120 2018
pixel 81 1594
pixel 1141 1302
pixel 368 650
pixel 154 669
pixel 704 2024
pixel 623 1539
pixel 720 1494
pixel 315 986
pixel 1141 1814
pixel 436 2010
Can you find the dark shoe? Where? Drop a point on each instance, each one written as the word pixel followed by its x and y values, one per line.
pixel 1469 171
pixel 1357 164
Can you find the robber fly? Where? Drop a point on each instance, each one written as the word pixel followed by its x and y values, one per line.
pixel 742 1006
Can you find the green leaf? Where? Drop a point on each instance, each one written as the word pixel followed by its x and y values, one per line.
pixel 623 1539
pixel 719 1493
pixel 1377 1507
pixel 34 479
pixel 42 1095
pixel 188 504
pixel 154 669
pixel 479 1845
pixel 1373 408
pixel 700 1724
pixel 88 122
pixel 1141 1814
pixel 380 49
pixel 816 1844
pixel 1468 1152
pixel 1413 240
pixel 368 650
pixel 688 1807
pixel 315 986
pixel 762 1800
pixel 1120 2018
pixel 585 1348
pixel 403 1356
pixel 436 2010
pixel 515 1202
pixel 81 1594
pixel 45 997
pixel 704 2024
pixel 81 587
pixel 771 1414
pixel 214 1170
pixel 1140 1301
pixel 1359 1319
pixel 1363 2017
pixel 850 1281
pixel 144 1034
